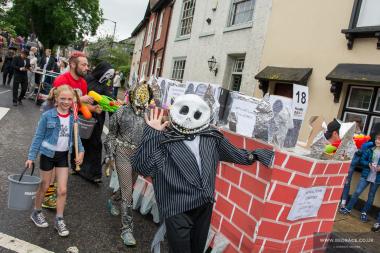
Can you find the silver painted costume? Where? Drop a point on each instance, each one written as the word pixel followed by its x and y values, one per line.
pixel 124 136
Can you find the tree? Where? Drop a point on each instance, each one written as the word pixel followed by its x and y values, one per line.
pixel 56 22
pixel 118 56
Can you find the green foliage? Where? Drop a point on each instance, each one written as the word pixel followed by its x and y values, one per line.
pixel 56 22
pixel 5 26
pixel 117 56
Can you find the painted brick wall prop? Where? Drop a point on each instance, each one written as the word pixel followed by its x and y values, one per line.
pixel 253 202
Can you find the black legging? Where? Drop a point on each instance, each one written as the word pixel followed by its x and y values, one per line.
pixel 24 85
pixel 9 74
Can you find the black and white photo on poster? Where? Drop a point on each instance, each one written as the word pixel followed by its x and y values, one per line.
pixel 165 84
pixel 239 115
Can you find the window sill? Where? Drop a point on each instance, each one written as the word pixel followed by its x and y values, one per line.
pixel 238 27
pixel 185 37
pixel 206 34
pixel 361 32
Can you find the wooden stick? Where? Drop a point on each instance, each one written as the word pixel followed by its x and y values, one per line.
pixel 77 167
pixel 76 147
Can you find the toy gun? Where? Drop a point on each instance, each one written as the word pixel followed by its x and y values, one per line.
pixel 106 103
pixel 85 111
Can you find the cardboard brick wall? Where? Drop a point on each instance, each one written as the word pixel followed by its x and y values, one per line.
pixel 253 202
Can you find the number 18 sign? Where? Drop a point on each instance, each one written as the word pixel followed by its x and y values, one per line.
pixel 300 101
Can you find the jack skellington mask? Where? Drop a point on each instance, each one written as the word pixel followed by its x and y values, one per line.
pixel 189 114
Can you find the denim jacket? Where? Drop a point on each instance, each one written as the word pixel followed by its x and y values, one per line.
pixel 46 136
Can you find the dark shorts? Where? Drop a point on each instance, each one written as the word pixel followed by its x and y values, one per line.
pixel 60 160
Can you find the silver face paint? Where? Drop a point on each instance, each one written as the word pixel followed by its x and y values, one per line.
pixel 190 114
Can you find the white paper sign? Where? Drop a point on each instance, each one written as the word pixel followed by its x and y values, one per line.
pixel 165 85
pixel 300 101
pixel 307 203
pixel 246 116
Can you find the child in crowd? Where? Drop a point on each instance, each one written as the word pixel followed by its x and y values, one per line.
pixel 54 140
pixel 370 162
pixel 356 163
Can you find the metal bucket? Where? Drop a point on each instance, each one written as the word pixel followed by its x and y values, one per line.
pixel 86 127
pixel 22 190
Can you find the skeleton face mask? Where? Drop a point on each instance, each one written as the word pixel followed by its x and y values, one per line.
pixel 190 114
pixel 107 76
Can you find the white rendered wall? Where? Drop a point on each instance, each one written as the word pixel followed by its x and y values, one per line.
pixel 137 54
pixel 213 40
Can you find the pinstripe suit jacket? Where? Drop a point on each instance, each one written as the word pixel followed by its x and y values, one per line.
pixel 178 184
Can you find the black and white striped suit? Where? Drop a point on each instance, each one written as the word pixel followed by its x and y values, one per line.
pixel 178 184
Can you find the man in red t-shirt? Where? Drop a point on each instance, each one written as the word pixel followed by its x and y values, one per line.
pixel 75 77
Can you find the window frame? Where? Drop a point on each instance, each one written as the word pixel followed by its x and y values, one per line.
pixel 349 96
pixel 353 32
pixel 150 31
pixel 180 27
pixel 143 69
pixel 158 66
pixel 178 59
pixel 231 13
pixel 233 72
pixel 160 23
pixel 370 113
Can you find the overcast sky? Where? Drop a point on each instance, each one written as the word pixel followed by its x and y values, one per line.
pixel 126 13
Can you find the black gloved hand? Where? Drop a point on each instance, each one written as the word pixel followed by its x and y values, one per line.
pixel 265 156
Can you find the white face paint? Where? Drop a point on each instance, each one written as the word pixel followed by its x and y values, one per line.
pixel 106 76
pixel 190 114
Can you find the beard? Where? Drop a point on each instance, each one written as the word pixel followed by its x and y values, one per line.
pixel 79 72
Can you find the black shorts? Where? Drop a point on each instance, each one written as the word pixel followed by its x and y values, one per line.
pixel 60 160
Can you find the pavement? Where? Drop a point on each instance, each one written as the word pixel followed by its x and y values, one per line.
pixel 357 236
pixel 92 228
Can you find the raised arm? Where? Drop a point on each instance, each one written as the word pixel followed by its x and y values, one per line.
pixel 145 158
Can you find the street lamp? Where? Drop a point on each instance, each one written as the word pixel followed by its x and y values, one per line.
pixel 114 30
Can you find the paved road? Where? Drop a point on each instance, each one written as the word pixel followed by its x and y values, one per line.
pixel 92 229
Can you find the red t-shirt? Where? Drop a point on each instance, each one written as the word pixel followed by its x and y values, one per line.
pixel 67 78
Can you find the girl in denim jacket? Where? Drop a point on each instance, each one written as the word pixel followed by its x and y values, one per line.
pixel 54 140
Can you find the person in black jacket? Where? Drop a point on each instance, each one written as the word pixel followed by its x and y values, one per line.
pixel 182 161
pixel 91 168
pixel 21 65
pixel 7 66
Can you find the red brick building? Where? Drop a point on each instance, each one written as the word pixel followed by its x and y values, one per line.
pixel 156 30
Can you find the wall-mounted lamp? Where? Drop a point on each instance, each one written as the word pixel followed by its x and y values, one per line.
pixel 212 65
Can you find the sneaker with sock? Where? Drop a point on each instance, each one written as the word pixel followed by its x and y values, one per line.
pixel 60 226
pixel 363 217
pixel 344 211
pixel 376 227
pixel 39 219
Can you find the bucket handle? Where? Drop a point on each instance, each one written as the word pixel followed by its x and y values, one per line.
pixel 23 172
